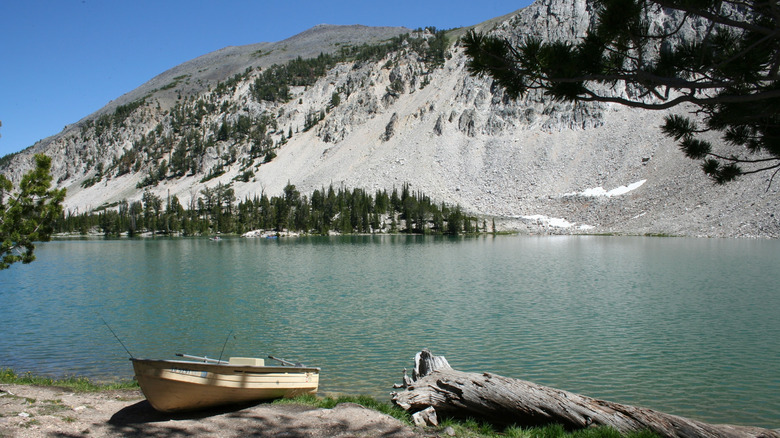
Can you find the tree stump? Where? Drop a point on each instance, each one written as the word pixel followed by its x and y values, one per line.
pixel 507 401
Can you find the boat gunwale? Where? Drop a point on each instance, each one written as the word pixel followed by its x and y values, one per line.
pixel 223 367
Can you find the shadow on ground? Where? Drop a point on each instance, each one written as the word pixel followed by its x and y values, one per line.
pixel 263 420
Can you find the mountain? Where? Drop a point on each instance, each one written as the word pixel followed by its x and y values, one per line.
pixel 376 108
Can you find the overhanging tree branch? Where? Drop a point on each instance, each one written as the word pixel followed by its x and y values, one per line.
pixel 717 17
pixel 728 70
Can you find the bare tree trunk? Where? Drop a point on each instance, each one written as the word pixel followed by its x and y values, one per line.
pixel 509 401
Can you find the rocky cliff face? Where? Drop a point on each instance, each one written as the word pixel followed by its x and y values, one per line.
pixel 407 115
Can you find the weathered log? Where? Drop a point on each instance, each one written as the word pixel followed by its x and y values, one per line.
pixel 509 401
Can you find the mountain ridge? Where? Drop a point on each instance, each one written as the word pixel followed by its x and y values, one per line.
pixel 230 60
pixel 532 164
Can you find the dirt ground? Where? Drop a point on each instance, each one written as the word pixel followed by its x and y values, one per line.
pixel 31 411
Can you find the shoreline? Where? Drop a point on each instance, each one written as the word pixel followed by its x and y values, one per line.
pixel 32 409
pixel 40 411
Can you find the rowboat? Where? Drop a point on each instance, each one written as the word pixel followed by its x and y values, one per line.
pixel 182 385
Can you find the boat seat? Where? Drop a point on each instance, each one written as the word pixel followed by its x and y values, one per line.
pixel 251 361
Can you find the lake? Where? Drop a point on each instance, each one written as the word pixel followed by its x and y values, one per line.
pixel 686 326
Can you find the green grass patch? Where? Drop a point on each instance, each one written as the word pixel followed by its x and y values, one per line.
pixel 50 407
pixel 77 384
pixel 471 428
pixel 31 423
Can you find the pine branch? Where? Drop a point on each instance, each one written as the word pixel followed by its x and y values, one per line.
pixel 592 96
pixel 763 169
pixel 720 19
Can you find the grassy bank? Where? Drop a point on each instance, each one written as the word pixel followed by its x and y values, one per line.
pixel 458 428
pixel 77 384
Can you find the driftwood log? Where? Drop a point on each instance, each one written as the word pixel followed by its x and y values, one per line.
pixel 501 400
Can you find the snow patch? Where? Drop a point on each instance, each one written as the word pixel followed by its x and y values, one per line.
pixel 549 221
pixel 556 222
pixel 600 191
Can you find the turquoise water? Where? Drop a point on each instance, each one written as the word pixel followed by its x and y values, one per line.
pixel 687 326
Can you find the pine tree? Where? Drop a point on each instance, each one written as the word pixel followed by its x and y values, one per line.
pixel 27 215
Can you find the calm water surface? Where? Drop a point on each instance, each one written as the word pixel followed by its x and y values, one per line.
pixel 687 326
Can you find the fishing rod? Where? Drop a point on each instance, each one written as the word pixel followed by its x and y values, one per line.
pixel 117 337
pixel 224 345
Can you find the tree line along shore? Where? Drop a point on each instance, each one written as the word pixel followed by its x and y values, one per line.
pixel 324 211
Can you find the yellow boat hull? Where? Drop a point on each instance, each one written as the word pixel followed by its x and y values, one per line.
pixel 172 386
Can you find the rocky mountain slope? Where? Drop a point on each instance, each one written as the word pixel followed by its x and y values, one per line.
pixel 384 111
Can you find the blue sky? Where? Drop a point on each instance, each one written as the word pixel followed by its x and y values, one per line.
pixel 61 60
